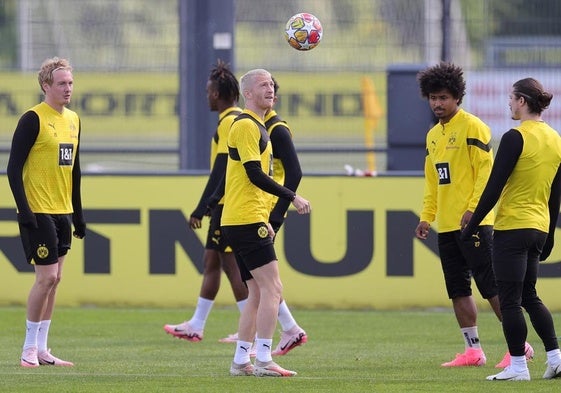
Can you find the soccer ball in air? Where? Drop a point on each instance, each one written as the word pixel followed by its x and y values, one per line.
pixel 303 31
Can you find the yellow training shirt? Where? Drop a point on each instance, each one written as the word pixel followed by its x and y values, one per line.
pixel 457 166
pixel 219 143
pixel 524 200
pixel 47 173
pixel 271 121
pixel 245 203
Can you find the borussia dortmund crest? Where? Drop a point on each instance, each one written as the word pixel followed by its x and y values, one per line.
pixel 452 139
pixel 42 251
pixel 263 232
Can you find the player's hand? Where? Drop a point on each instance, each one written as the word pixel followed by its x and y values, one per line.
pixel 302 205
pixel 546 250
pixel 422 230
pixel 79 230
pixel 272 232
pixel 28 219
pixel 195 222
pixel 466 218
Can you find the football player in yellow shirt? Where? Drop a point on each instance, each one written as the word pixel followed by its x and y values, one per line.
pixel 44 175
pixel 222 94
pixel 526 183
pixel 457 165
pixel 249 190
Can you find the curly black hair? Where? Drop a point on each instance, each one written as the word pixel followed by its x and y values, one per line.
pixel 440 77
pixel 226 82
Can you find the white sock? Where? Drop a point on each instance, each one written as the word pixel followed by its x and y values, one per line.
pixel 201 313
pixel 241 356
pixel 518 364
pixel 263 346
pixel 471 337
pixel 554 357
pixel 241 304
pixel 286 319
pixel 43 335
pixel 31 334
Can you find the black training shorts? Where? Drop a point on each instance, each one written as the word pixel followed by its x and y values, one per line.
pixel 252 245
pixel 49 241
pixel 214 239
pixel 463 259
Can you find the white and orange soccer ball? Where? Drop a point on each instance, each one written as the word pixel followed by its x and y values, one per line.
pixel 303 31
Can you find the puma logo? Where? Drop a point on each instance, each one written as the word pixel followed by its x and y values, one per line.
pixel 477 241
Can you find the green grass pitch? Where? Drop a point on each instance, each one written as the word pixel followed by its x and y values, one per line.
pixel 126 350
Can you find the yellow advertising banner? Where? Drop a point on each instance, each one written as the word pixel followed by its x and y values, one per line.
pixel 135 105
pixel 356 250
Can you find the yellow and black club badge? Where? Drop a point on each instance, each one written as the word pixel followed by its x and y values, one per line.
pixel 42 251
pixel 263 232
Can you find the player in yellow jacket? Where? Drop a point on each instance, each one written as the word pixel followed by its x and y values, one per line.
pixel 457 165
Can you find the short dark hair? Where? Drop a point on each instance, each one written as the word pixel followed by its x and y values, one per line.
pixel 443 76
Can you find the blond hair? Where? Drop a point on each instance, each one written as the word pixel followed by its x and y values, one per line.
pixel 248 79
pixel 48 67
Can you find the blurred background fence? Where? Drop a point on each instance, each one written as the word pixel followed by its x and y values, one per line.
pixel 126 54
